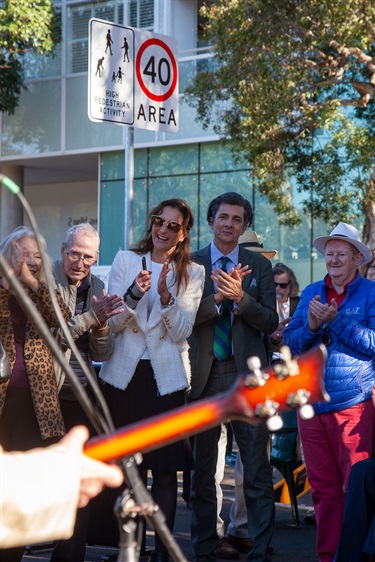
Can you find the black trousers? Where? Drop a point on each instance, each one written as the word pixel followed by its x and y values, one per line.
pixel 253 443
pixel 74 549
pixel 19 431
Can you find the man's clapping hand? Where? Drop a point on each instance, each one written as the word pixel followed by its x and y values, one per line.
pixel 107 306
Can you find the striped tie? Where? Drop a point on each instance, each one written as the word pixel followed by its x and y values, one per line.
pixel 222 339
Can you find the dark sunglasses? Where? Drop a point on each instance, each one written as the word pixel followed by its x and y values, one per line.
pixel 326 338
pixel 171 225
pixel 282 285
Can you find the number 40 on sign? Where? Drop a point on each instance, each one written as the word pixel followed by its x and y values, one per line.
pixel 133 77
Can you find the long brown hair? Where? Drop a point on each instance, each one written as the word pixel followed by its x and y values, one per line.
pixel 281 268
pixel 181 254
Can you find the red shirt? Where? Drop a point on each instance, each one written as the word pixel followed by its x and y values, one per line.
pixel 333 294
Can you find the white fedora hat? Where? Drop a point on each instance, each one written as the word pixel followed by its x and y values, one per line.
pixel 348 234
pixel 250 240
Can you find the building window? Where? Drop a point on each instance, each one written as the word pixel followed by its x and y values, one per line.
pixel 77 30
pixel 141 14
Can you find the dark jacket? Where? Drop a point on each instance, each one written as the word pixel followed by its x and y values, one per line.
pixel 101 341
pixel 255 316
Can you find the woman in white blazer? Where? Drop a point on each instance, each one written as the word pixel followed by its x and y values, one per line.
pixel 149 370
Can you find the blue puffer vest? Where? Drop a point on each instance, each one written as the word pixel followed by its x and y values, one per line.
pixel 350 370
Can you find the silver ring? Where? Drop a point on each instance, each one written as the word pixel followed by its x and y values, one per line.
pixel 145 284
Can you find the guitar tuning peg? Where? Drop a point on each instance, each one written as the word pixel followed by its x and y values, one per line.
pixel 267 410
pixel 256 376
pixel 299 398
pixel 253 363
pixel 288 366
pixel 306 412
pixel 275 423
pixel 280 370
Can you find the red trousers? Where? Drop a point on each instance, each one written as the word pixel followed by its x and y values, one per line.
pixel 332 443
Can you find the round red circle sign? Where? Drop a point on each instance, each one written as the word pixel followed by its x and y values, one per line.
pixel 144 87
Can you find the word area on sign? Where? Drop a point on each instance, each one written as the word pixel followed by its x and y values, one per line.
pixel 158 114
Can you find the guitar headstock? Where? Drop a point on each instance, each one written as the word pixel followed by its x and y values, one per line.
pixel 292 383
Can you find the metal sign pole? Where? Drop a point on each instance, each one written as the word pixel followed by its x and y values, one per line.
pixel 129 187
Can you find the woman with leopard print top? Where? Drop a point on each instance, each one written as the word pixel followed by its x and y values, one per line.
pixel 30 414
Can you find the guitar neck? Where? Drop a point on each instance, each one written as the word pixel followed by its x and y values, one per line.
pixel 158 431
pixel 240 402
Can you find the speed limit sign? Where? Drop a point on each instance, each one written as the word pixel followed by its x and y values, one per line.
pixel 133 77
pixel 156 82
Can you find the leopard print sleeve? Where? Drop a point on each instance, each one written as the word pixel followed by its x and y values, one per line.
pixel 43 303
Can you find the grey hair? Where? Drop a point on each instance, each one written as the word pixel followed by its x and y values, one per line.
pixel 81 228
pixel 18 234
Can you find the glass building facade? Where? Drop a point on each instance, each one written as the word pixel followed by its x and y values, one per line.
pixel 74 169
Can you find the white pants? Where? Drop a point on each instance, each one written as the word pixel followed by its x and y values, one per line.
pixel 238 514
pixel 219 475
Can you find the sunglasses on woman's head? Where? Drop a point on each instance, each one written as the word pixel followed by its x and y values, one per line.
pixel 171 225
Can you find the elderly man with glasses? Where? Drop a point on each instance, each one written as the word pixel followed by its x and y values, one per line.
pixel 338 311
pixel 91 308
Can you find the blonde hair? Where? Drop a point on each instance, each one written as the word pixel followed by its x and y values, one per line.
pixel 6 246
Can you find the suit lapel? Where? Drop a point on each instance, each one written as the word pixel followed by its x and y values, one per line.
pixel 244 258
pixel 203 257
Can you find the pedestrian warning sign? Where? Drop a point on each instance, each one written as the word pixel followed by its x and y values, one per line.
pixel 133 77
pixel 111 73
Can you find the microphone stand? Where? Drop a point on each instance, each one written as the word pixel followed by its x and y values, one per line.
pixel 131 507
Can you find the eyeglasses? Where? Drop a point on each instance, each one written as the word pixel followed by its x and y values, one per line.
pixel 281 285
pixel 76 256
pixel 171 225
pixel 326 338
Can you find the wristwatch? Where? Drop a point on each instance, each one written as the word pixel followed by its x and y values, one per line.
pixel 169 303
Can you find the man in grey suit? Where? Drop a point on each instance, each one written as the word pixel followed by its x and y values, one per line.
pixel 242 281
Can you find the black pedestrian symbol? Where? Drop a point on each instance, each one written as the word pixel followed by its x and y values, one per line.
pixel 119 75
pixel 99 67
pixel 126 50
pixel 113 77
pixel 109 42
